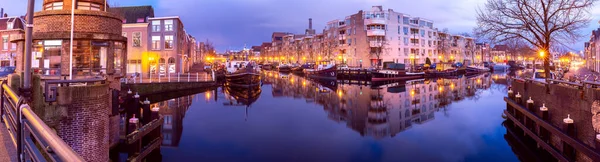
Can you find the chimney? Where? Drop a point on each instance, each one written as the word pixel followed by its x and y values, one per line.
pixel 309 23
pixel 1 12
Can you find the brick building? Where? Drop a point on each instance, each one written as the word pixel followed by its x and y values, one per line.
pixel 86 121
pixel 10 28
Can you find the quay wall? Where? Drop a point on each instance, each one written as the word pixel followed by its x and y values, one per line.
pixel 562 101
pixel 145 89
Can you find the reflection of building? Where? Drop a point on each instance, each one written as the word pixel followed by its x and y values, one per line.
pixel 173 112
pixel 385 110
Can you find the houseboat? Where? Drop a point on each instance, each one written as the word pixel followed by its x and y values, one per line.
pixel 325 70
pixel 242 74
pixel 394 71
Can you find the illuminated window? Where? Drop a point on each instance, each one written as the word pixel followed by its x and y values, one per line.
pixel 88 6
pixel 168 42
pixel 54 6
pixel 156 25
pixel 5 43
pixel 168 25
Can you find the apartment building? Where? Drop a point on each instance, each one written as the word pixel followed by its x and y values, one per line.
pixel 592 51
pixel 156 45
pixel 10 28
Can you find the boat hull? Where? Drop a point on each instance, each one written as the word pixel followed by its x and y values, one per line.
pixel 285 69
pixel 377 76
pixel 330 73
pixel 298 70
pixel 247 79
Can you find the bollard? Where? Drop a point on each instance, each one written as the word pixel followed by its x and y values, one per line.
pixel 569 126
pixel 169 77
pixel 146 112
pixel 135 107
pixel 135 147
pixel 597 141
pixel 568 150
pixel 544 110
pixel 159 77
pixel 530 105
pixel 519 100
pixel 511 94
pixel 544 134
pixel 155 112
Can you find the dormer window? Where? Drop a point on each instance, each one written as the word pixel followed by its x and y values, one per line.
pixel 141 20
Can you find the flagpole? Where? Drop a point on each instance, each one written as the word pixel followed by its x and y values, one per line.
pixel 71 44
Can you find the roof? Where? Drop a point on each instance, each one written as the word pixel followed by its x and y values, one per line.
pixel 133 13
pixel 18 23
pixel 279 34
pixel 500 48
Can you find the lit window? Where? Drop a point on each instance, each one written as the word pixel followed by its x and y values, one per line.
pixel 168 42
pixel 54 6
pixel 88 6
pixel 168 25
pixel 156 25
pixel 156 42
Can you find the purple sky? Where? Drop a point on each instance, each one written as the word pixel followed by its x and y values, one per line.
pixel 230 24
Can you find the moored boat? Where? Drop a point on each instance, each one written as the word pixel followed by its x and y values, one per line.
pixel 394 71
pixel 284 68
pixel 242 74
pixel 476 69
pixel 323 71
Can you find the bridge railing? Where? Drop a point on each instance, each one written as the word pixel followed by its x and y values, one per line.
pixel 34 140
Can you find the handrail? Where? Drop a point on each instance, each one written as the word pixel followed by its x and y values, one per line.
pixel 64 151
pixel 30 126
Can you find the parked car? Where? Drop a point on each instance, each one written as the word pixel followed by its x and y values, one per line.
pixel 433 66
pixel 540 75
pixel 5 71
pixel 457 64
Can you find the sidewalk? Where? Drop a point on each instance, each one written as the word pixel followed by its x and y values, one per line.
pixel 581 72
pixel 8 152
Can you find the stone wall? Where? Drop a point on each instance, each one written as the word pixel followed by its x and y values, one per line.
pixel 563 100
pixel 144 89
pixel 86 126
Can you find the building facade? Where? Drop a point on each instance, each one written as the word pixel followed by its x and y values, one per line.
pixel 10 28
pixel 592 51
pixel 370 38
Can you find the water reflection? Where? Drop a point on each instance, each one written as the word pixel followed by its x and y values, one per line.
pixel 381 109
pixel 173 112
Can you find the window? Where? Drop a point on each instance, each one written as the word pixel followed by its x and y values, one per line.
pixel 405 51
pixel 141 20
pixel 9 25
pixel 5 43
pixel 168 41
pixel 168 25
pixel 156 25
pixel 349 41
pixel 137 39
pixel 156 42
pixel 422 33
pixel 405 30
pixel 13 46
pixel 54 6
pixel 118 62
pixel 124 34
pixel 405 41
pixel 405 20
pixel 88 6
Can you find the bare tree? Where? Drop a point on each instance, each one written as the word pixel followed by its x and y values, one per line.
pixel 443 43
pixel 378 46
pixel 330 44
pixel 542 23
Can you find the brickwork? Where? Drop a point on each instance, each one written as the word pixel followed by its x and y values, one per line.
pixel 85 22
pixel 86 127
pixel 561 101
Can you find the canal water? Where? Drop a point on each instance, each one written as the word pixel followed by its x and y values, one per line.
pixel 290 118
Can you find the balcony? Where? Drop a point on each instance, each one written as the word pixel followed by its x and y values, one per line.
pixel 376 32
pixel 373 21
pixel 375 43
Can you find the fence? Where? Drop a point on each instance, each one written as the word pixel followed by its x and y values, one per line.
pixel 35 141
pixel 170 77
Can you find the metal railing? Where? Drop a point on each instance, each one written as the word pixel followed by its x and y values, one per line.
pixel 34 140
pixel 170 77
